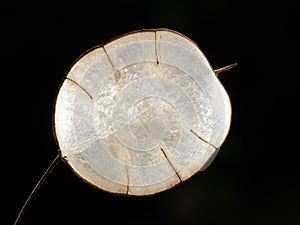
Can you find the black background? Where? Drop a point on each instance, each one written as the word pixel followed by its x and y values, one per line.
pixel 255 179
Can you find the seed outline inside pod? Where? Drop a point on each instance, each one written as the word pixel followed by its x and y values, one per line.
pixel 141 113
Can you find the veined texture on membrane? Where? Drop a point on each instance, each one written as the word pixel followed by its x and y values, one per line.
pixel 141 113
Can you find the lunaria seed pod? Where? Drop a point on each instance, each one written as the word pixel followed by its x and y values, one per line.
pixel 141 113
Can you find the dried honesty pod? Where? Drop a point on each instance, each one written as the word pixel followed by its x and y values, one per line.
pixel 141 113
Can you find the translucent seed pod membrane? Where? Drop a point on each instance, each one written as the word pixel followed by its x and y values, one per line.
pixel 141 113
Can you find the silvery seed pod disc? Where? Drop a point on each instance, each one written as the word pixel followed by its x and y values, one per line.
pixel 141 113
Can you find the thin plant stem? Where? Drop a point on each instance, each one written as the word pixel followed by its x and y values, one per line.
pixel 36 188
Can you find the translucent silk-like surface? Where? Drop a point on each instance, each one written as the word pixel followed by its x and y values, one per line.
pixel 142 113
